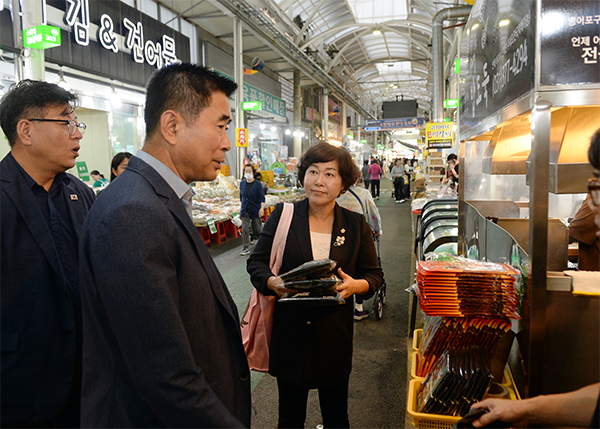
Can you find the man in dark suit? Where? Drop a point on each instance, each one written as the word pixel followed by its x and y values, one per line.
pixel 42 210
pixel 162 340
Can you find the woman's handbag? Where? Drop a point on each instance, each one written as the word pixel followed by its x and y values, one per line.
pixel 257 323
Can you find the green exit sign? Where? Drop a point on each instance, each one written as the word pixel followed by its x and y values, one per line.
pixel 457 66
pixel 252 105
pixel 351 136
pixel 364 141
pixel 451 103
pixel 41 37
pixel 446 119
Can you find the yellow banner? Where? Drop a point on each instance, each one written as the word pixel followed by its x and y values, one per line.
pixel 241 137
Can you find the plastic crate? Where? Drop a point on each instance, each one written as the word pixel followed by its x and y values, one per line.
pixel 413 368
pixel 417 334
pixel 438 421
pixel 423 420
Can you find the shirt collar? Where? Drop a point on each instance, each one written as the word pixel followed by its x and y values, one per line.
pixel 175 182
pixel 60 177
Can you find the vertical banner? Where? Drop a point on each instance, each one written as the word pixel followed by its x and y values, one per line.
pixel 241 137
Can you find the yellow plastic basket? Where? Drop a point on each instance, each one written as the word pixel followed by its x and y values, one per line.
pixel 423 420
pixel 417 339
pixel 438 421
pixel 413 368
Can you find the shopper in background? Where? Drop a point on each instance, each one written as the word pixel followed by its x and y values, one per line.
pixel 42 211
pixel 359 200
pixel 264 185
pixel 163 345
pixel 398 179
pixel 580 408
pixel 98 179
pixel 366 175
pixel 385 167
pixel 118 164
pixel 253 207
pixel 408 176
pixel 375 178
pixel 311 345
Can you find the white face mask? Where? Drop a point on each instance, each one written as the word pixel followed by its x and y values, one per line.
pixel 248 176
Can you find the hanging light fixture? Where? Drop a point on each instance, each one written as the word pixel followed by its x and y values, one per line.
pixel 115 99
pixel 61 80
pixel 377 31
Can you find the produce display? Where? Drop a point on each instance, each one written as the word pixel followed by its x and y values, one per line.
pixel 315 283
pixel 460 378
pixel 219 200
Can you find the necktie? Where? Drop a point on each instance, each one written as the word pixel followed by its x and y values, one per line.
pixel 187 202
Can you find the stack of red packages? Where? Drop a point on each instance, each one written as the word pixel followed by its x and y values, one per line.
pixel 467 288
pixel 457 333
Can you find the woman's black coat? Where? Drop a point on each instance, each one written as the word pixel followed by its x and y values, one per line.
pixel 311 345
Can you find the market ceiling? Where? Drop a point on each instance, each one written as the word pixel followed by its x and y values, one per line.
pixel 376 50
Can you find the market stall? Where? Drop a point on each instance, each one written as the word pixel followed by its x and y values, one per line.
pixel 529 105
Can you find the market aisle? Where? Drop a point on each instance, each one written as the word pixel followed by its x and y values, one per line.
pixel 378 384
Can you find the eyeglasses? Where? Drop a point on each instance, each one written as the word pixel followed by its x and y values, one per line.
pixel 71 124
pixel 594 189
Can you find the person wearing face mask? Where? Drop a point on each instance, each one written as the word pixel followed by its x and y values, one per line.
pixel 253 206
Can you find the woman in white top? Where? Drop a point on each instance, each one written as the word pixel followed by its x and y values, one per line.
pixel 311 345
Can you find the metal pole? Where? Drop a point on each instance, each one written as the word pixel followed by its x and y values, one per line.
pixel 32 16
pixel 238 66
pixel 539 177
pixel 297 114
pixel 325 114
pixel 438 56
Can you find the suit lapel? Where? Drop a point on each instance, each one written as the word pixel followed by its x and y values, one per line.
pixel 302 230
pixel 74 202
pixel 22 197
pixel 175 206
pixel 339 245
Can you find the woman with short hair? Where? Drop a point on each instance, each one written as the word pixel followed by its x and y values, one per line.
pixel 311 345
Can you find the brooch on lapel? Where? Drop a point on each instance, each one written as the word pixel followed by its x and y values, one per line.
pixel 339 240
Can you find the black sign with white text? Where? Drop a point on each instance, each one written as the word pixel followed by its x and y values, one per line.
pixel 570 42
pixel 497 57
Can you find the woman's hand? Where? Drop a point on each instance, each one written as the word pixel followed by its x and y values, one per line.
pixel 276 285
pixel 261 212
pixel 351 286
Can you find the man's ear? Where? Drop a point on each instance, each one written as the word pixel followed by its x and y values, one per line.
pixel 24 129
pixel 170 125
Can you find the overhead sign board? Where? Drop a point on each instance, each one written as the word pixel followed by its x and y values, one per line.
pixel 497 56
pixel 439 135
pixel 451 103
pixel 570 42
pixel 251 105
pixel 41 37
pixel 394 124
pixel 372 128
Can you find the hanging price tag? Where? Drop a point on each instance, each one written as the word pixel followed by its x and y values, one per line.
pixel 211 226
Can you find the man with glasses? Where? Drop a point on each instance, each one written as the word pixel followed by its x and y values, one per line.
pixel 42 210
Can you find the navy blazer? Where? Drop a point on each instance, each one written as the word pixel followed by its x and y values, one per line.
pixel 251 204
pixel 38 326
pixel 162 342
pixel 311 345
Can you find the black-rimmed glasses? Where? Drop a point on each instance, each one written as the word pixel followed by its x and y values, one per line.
pixel 71 124
pixel 594 189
